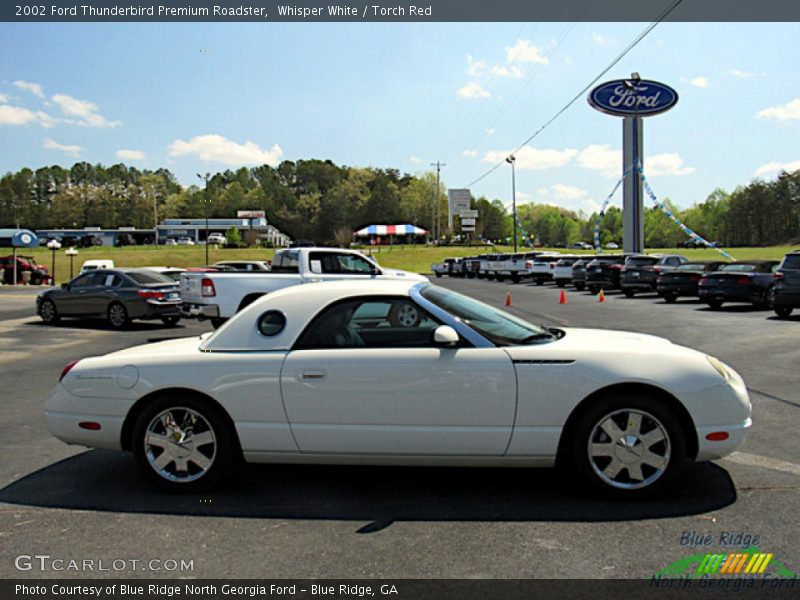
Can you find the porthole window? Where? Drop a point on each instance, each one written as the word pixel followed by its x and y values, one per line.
pixel 271 323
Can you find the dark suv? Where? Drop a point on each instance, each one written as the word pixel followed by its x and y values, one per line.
pixel 641 271
pixel 604 272
pixel 786 291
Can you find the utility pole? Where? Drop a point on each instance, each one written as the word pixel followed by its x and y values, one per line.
pixel 205 178
pixel 512 160
pixel 436 202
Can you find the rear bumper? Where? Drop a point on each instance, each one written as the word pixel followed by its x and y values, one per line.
pixel 64 412
pixel 639 285
pixel 731 294
pixel 784 298
pixel 677 289
pixel 155 310
pixel 199 311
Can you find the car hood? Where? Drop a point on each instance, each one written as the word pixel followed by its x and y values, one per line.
pixel 596 342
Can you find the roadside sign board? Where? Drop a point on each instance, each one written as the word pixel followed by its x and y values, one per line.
pixel 468 228
pixel 633 98
pixel 468 214
pixel 457 201
pixel 467 222
pixel 250 214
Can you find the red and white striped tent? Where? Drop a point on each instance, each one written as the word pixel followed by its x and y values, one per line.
pixel 384 230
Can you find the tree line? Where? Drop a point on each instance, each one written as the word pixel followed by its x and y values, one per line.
pixel 324 202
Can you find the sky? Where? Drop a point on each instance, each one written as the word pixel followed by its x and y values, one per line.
pixel 208 97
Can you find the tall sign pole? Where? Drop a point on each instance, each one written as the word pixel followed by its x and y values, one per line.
pixel 632 99
pixel 439 166
pixel 512 160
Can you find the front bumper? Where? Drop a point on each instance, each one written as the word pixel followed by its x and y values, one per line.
pixel 199 311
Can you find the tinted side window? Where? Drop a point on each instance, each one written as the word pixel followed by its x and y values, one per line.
pixel 370 323
pixel 331 262
pixel 791 261
pixel 286 262
pixel 108 280
pixel 84 280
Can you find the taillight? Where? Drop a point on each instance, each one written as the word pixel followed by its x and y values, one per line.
pixel 778 275
pixel 150 294
pixel 207 288
pixel 704 281
pixel 67 369
pixel 616 267
pixel 658 269
pixel 694 278
pixel 744 281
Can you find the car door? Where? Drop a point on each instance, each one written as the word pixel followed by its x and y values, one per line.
pixel 357 383
pixel 102 292
pixel 73 300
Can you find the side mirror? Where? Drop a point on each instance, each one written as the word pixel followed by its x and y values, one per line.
pixel 444 335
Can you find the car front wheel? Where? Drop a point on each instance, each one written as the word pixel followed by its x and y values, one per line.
pixel 48 312
pixel 184 444
pixel 628 446
pixel 670 298
pixel 783 311
pixel 628 293
pixel 170 321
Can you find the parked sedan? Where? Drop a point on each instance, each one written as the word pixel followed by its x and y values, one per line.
pixel 119 296
pixel 786 292
pixel 745 281
pixel 684 279
pixel 641 271
pixel 318 374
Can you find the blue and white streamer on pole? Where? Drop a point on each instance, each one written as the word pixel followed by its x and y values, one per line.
pixel 525 237
pixel 660 205
pixel 599 218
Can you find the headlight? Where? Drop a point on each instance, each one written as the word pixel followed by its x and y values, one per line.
pixel 721 368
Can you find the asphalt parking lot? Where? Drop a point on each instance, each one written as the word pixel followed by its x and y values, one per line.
pixel 349 522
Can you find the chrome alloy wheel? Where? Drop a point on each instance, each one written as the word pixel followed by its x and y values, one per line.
pixel 629 449
pixel 47 311
pixel 407 315
pixel 180 445
pixel 117 315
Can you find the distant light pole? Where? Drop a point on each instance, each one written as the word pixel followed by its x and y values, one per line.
pixel 512 160
pixel 205 178
pixel 54 245
pixel 155 217
pixel 72 253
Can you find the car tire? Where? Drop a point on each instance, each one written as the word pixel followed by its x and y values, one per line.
pixel 216 323
pixel 670 298
pixel 714 304
pixel 515 279
pixel 187 467
pixel 619 467
pixel 560 284
pixel 404 314
pixel 48 312
pixel 438 275
pixel 540 282
pixel 784 312
pixel 629 293
pixel 117 315
pixel 768 301
pixel 580 286
pixel 594 290
pixel 170 321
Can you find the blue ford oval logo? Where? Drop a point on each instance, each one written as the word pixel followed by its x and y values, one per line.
pixel 628 97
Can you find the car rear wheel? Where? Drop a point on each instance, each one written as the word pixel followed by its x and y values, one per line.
pixel 438 275
pixel 540 282
pixel 769 298
pixel 118 315
pixel 594 289
pixel 715 304
pixel 580 286
pixel 783 311
pixel 48 312
pixel 170 321
pixel 670 298
pixel 184 443
pixel 629 293
pixel 627 446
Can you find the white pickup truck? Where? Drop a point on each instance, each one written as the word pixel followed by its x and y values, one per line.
pixel 220 295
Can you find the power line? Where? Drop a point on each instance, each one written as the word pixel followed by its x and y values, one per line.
pixel 580 94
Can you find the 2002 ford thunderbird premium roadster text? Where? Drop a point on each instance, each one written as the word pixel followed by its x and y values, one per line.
pixel 392 372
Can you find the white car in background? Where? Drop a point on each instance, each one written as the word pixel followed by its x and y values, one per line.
pixel 185 241
pixel 216 238
pixel 404 373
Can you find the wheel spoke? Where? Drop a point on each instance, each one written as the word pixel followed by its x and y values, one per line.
pixel 201 439
pixel 654 460
pixel 162 461
pixel 201 460
pixel 156 439
pixel 634 424
pixel 613 468
pixel 635 471
pixel 181 464
pixel 602 449
pixel 651 437
pixel 611 429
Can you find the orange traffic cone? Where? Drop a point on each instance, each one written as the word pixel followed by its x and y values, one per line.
pixel 563 299
pixel 601 297
pixel 508 299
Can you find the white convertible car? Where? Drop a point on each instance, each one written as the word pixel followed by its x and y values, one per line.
pixel 404 373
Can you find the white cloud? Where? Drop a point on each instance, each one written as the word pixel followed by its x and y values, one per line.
pixel 475 68
pixel 415 160
pixel 668 163
pixel 473 89
pixel 83 109
pixel 470 153
pixel 490 131
pixel 743 74
pixel 776 167
pixel 216 148
pixel 562 191
pixel 502 71
pixel 601 158
pixel 66 149
pixel 700 82
pixel 130 154
pixel 785 112
pixel 525 51
pixel 603 40
pixel 534 159
pixel 17 115
pixel 33 88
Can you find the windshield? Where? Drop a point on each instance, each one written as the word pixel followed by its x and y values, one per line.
pixel 745 268
pixel 501 328
pixel 691 267
pixel 640 261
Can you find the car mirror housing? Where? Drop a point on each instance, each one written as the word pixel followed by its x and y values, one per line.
pixel 444 335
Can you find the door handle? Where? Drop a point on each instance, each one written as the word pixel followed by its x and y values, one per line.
pixel 313 374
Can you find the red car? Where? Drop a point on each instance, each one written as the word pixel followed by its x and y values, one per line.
pixel 39 273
